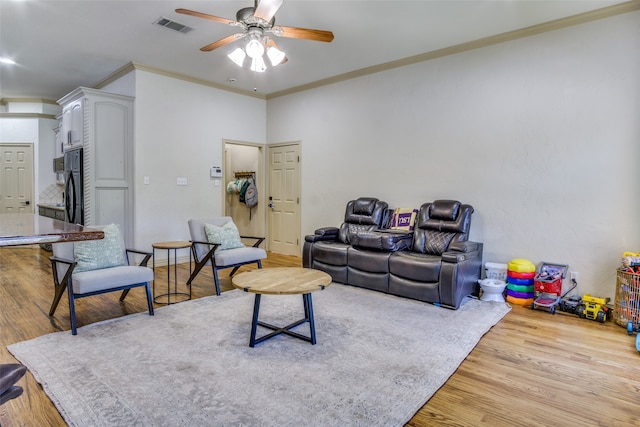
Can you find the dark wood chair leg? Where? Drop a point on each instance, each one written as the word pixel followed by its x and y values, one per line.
pixel 59 290
pixel 124 294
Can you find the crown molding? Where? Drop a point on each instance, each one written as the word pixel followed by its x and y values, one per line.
pixel 133 66
pixel 27 116
pixel 5 101
pixel 582 18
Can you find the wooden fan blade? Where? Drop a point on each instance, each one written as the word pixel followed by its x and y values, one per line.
pixel 267 9
pixel 205 16
pixel 303 33
pixel 221 42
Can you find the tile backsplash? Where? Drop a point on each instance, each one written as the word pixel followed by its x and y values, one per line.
pixel 52 194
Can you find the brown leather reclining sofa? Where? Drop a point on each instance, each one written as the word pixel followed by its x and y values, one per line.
pixel 435 263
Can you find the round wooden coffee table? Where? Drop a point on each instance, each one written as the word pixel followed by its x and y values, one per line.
pixel 282 281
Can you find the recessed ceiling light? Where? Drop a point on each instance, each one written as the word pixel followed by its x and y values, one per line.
pixel 7 61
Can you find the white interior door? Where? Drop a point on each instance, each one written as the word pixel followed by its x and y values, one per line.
pixel 283 199
pixel 16 178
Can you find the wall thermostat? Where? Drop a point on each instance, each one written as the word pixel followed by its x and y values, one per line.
pixel 216 172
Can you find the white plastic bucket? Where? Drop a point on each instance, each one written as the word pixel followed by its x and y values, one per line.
pixel 496 270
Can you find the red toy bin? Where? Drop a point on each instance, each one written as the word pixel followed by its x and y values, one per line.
pixel 549 287
pixel 549 277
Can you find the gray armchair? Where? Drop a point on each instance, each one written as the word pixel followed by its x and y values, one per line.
pixel 96 267
pixel 207 253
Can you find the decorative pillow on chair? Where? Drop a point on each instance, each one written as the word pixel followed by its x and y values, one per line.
pixel 403 219
pixel 227 236
pixel 98 254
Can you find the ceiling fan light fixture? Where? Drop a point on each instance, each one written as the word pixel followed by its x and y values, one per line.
pixel 276 56
pixel 255 49
pixel 237 56
pixel 258 65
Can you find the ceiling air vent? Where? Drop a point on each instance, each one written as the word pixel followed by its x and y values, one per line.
pixel 172 25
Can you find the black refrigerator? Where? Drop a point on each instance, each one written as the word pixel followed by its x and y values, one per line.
pixel 73 187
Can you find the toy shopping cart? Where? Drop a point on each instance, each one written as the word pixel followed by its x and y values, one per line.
pixel 547 285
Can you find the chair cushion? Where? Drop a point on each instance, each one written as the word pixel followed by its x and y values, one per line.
pixel 239 256
pixel 415 266
pixel 437 242
pixel 227 236
pixel 331 253
pixel 99 254
pixel 368 261
pixel 382 240
pixel 364 206
pixel 109 278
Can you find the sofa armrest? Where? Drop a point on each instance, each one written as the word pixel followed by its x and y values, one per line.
pixel 460 251
pixel 323 234
pixel 327 231
pixel 460 272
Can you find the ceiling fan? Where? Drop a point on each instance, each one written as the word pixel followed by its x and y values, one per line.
pixel 258 25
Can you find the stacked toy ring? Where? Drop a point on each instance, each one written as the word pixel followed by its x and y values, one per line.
pixel 520 274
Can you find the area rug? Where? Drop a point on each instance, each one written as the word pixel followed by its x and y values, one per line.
pixel 377 360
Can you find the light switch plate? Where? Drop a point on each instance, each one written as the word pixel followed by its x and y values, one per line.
pixel 181 180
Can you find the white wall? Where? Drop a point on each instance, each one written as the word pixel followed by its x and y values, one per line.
pixel 541 135
pixel 46 151
pixel 179 132
pixel 39 132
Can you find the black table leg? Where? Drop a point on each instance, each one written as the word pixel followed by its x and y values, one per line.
pixel 308 317
pixel 308 305
pixel 254 322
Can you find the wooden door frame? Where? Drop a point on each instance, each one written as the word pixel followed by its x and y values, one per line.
pixel 260 177
pixel 267 164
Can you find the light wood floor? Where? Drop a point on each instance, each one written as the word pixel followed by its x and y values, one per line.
pixel 532 369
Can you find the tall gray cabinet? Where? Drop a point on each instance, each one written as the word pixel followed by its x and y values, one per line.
pixel 102 124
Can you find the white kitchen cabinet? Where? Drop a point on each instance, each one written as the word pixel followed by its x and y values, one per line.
pixel 73 124
pixel 107 123
pixel 59 137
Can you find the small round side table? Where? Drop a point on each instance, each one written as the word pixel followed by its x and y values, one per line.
pixel 178 296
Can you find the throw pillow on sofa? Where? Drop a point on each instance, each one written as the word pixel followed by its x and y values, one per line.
pixel 403 219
